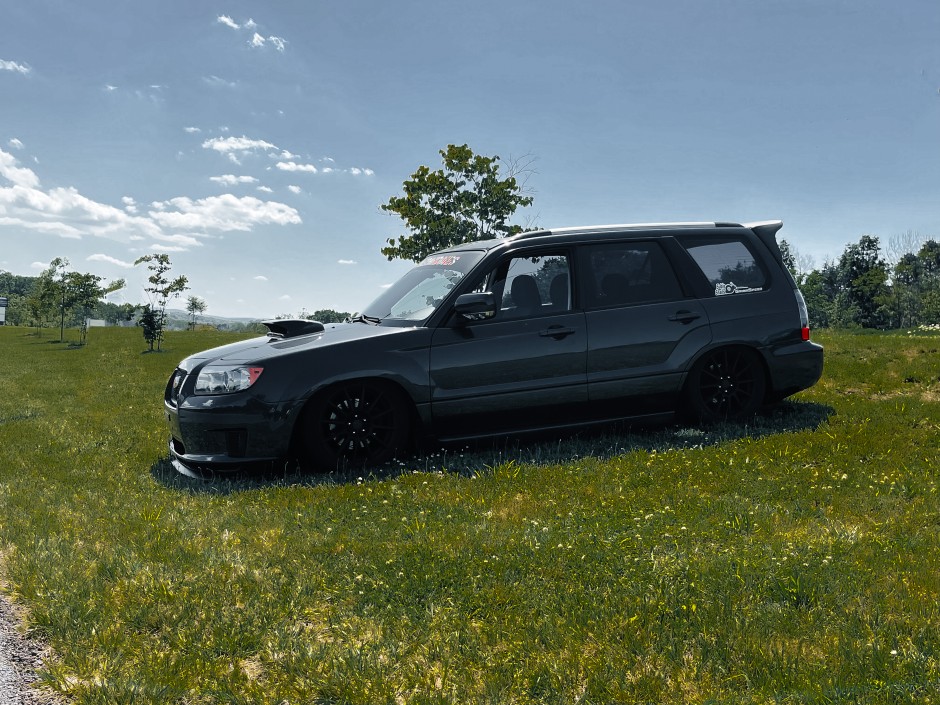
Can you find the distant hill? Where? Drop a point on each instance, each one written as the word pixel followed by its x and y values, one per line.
pixel 180 319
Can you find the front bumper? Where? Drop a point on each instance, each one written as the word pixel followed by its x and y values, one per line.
pixel 226 434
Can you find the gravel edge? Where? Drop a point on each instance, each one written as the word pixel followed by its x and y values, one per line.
pixel 20 657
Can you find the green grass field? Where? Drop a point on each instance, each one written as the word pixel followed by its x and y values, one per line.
pixel 792 560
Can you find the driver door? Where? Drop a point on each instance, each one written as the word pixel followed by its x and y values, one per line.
pixel 522 367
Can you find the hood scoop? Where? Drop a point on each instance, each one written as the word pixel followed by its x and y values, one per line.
pixel 292 327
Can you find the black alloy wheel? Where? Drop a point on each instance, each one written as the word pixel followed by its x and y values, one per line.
pixel 355 425
pixel 727 384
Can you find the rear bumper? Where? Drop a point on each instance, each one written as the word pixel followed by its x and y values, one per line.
pixel 794 368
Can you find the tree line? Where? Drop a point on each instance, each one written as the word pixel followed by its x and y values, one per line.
pixel 64 298
pixel 869 288
pixel 67 298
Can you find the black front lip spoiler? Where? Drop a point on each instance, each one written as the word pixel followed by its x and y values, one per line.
pixel 204 467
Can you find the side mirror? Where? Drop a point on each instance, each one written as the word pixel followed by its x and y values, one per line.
pixel 475 307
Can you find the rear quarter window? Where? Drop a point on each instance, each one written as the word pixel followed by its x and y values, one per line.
pixel 729 265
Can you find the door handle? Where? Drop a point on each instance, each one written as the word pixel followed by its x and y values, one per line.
pixel 684 316
pixel 556 332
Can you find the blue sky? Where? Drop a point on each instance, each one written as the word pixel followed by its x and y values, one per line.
pixel 255 142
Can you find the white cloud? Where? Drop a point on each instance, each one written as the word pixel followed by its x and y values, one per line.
pixel 176 223
pixel 294 189
pixel 110 260
pixel 285 297
pixel 63 230
pixel 294 166
pixel 227 21
pixel 258 41
pixel 184 241
pixel 346 261
pixel 328 170
pixel 14 66
pixel 220 82
pixel 15 143
pixel 286 155
pixel 261 278
pixel 18 176
pixel 232 180
pixel 240 145
pixel 109 88
pixel 223 213
pixel 250 24
pixel 266 189
pixel 38 265
pixel 192 130
pixel 160 247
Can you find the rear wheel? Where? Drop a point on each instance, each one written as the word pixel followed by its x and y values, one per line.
pixel 726 385
pixel 355 425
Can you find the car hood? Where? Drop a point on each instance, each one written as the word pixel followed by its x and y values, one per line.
pixel 266 348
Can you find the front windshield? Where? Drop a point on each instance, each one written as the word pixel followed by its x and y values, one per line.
pixel 416 295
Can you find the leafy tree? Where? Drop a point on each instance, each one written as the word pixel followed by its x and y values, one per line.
pixel 924 283
pixel 160 291
pixel 819 291
pixel 195 306
pixel 906 287
pixel 328 315
pixel 83 293
pixel 799 265
pixel 11 284
pixel 929 256
pixel 114 314
pixel 862 280
pixel 40 304
pixel 17 314
pixel 151 324
pixel 59 269
pixel 464 201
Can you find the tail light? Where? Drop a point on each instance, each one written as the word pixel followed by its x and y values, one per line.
pixel 804 314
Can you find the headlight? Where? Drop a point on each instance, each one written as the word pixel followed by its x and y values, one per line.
pixel 225 380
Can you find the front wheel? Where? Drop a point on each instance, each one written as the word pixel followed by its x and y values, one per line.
pixel 727 384
pixel 354 425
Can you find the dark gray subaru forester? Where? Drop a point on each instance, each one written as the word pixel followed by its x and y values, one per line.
pixel 546 329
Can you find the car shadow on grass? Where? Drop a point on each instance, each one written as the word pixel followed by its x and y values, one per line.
pixel 602 442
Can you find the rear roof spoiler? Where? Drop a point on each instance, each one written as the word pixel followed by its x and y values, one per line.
pixel 766 230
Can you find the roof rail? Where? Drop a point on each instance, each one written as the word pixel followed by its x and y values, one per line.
pixel 587 229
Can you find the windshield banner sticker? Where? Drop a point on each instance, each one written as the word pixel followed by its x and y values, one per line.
pixel 440 261
pixel 722 289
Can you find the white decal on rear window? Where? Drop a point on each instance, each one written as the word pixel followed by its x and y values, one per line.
pixel 723 289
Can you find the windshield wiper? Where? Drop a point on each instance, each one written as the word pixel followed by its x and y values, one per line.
pixel 363 318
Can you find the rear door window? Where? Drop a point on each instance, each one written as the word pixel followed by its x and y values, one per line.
pixel 627 274
pixel 728 264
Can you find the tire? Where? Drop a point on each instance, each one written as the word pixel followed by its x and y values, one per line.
pixel 727 384
pixel 354 425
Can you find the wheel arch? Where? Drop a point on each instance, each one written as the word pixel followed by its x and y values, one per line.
pixel 759 352
pixel 415 418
